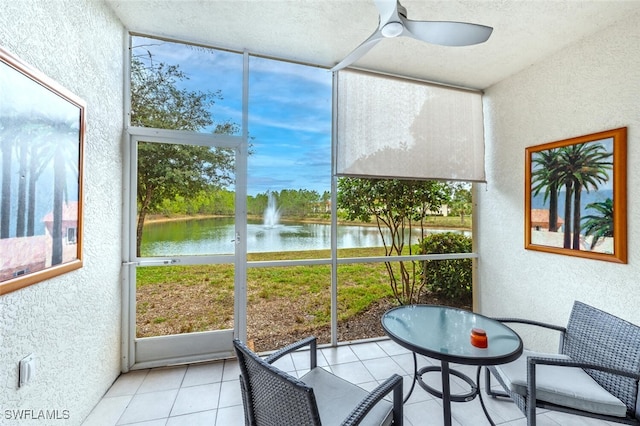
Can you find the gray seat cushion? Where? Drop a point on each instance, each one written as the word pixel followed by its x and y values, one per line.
pixel 566 386
pixel 337 397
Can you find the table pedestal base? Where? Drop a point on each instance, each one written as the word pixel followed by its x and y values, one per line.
pixel 446 396
pixel 470 396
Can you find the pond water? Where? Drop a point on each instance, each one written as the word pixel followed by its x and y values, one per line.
pixel 216 236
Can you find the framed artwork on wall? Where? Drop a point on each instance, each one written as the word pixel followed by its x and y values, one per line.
pixel 576 198
pixel 42 128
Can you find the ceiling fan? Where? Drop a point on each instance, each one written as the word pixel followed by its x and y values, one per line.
pixel 394 23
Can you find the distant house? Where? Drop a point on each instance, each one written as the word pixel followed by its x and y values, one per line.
pixel 69 232
pixel 69 223
pixel 540 220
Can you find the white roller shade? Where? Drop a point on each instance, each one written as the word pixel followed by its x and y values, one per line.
pixel 394 128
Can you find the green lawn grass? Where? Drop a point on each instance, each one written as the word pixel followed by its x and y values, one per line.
pixel 167 295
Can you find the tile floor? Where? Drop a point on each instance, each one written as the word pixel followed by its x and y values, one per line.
pixel 209 393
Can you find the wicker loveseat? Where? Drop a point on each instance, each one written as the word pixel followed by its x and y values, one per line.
pixel 595 373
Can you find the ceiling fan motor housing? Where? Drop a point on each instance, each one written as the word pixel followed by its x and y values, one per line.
pixel 392 29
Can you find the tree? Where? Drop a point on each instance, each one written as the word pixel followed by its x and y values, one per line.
pixel 461 201
pixel 545 177
pixel 450 279
pixel 297 203
pixel 167 170
pixel 10 126
pixel 582 167
pixel 65 159
pixel 156 100
pixel 599 226
pixel 37 165
pixel 6 146
pixel 397 206
pixel 257 204
pixel 21 223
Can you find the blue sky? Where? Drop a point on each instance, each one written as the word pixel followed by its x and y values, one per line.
pixel 289 111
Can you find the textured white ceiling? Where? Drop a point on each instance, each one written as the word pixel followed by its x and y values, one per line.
pixel 322 32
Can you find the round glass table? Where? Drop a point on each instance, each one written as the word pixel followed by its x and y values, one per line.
pixel 444 333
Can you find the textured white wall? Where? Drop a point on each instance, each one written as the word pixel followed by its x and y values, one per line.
pixel 72 322
pixel 592 86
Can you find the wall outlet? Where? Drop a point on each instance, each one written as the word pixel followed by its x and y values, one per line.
pixel 26 369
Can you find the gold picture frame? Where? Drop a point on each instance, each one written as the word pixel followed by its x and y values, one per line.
pixel 42 127
pixel 590 172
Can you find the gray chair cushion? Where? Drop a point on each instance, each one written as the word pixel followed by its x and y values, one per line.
pixel 336 398
pixel 566 386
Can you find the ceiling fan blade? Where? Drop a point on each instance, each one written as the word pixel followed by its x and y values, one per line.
pixel 359 51
pixel 447 33
pixel 388 10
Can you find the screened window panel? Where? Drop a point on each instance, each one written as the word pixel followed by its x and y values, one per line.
pixel 389 127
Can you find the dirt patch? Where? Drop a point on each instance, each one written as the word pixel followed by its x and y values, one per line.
pixel 268 331
pixel 270 335
pixel 273 323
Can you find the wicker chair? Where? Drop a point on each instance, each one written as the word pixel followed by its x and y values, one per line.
pixel 272 397
pixel 595 373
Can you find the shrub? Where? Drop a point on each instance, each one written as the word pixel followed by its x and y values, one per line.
pixel 449 279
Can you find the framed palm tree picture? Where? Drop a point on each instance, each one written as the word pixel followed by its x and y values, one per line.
pixel 42 129
pixel 575 196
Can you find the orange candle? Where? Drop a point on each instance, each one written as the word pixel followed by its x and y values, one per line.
pixel 479 338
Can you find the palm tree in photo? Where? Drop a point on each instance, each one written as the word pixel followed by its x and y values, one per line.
pixel 5 204
pixel 599 225
pixel 36 167
pixel 546 177
pixel 10 126
pixel 23 156
pixel 568 195
pixel 584 166
pixel 65 160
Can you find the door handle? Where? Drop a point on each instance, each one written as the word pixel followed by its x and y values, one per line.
pixel 236 239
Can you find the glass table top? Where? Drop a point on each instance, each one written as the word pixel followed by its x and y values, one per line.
pixel 444 333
